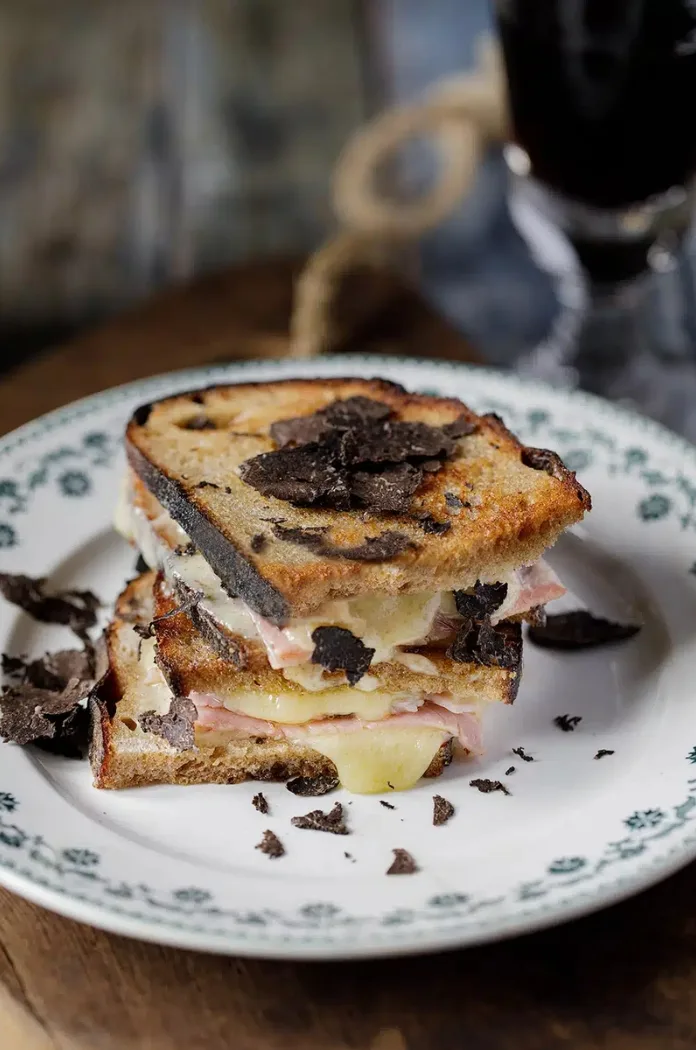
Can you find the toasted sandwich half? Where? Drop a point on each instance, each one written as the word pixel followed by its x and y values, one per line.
pixel 343 555
pixel 172 711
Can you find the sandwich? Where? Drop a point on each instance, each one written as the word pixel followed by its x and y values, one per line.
pixel 335 573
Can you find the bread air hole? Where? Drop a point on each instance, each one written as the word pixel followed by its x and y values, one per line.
pixel 198 422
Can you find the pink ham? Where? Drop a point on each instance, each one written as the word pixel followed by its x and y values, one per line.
pixel 282 651
pixel 532 585
pixel 464 726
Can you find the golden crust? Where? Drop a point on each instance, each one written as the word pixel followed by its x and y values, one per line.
pixel 511 511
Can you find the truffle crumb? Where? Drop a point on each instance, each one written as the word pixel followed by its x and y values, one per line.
pixel 403 863
pixel 271 845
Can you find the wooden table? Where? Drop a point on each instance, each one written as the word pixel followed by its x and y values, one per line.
pixel 624 979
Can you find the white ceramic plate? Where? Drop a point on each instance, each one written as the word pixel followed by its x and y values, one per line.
pixel 178 865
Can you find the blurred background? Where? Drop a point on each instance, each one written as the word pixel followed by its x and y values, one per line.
pixel 144 142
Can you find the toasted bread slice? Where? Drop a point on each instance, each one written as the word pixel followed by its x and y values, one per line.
pixel 192 665
pixel 506 513
pixel 122 755
pixel 145 523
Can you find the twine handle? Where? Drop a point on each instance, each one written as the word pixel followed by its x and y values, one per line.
pixel 463 114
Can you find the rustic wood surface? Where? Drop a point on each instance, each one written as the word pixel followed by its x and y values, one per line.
pixel 624 979
pixel 240 313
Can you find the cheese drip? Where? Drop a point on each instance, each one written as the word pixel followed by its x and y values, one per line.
pixel 369 761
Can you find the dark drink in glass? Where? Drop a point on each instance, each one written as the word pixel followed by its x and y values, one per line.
pixel 602 94
pixel 602 99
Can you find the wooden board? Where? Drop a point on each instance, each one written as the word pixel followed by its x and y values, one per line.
pixel 621 980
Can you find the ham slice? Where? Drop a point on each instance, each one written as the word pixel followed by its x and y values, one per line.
pixel 464 725
pixel 531 585
pixel 281 648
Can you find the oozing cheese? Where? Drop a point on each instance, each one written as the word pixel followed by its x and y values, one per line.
pixel 373 760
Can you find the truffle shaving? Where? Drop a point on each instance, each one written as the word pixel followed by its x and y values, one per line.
pixel 403 863
pixel 74 609
pixel 338 649
pixel 332 822
pixel 177 726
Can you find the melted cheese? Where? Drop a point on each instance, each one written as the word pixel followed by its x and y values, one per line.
pixel 383 623
pixel 152 691
pixel 298 707
pixel 374 760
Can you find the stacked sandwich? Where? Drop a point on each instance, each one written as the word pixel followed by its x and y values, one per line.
pixel 336 575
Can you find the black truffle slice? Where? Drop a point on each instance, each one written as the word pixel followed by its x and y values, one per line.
pixel 461 427
pixel 579 629
pixel 300 431
pixel 260 802
pixel 338 649
pixel 487 786
pixel 546 460
pixel 177 726
pixel 355 412
pixel 389 490
pixel 271 845
pixel 395 442
pixel 333 822
pixel 28 713
pixel 52 671
pixel 403 863
pixel 442 810
pixel 43 703
pixel 305 476
pixel 490 646
pixel 308 787
pixel 74 609
pixel 340 415
pixel 482 601
pixel 387 545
